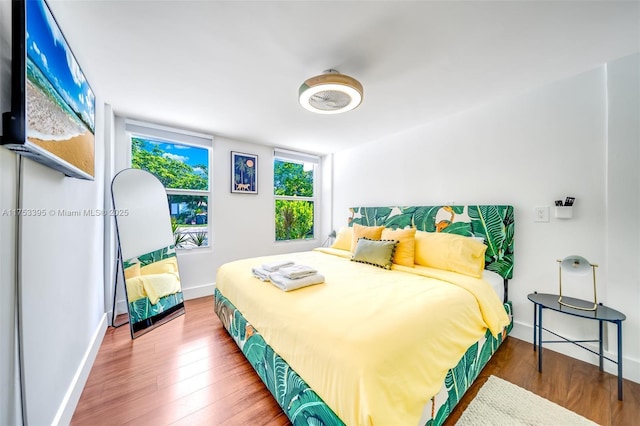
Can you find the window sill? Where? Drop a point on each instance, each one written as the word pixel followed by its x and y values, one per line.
pixel 305 241
pixel 197 249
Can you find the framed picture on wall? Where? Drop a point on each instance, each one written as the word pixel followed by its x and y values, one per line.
pixel 244 173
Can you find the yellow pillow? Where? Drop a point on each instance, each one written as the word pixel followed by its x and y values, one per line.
pixel 132 271
pixel 370 232
pixel 343 239
pixel 450 252
pixel 405 248
pixel 161 267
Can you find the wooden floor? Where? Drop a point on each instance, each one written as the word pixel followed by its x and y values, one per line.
pixel 190 372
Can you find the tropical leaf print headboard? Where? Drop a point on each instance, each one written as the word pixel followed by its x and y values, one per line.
pixel 493 223
pixel 152 257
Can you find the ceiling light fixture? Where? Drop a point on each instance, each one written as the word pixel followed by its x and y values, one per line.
pixel 330 93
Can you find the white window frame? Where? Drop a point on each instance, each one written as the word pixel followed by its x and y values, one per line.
pixel 134 128
pixel 300 158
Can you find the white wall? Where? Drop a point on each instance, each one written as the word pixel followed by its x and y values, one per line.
pixel 242 225
pixel 62 278
pixel 623 201
pixel 9 377
pixel 62 284
pixel 527 151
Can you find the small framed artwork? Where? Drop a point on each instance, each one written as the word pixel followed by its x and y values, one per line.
pixel 244 173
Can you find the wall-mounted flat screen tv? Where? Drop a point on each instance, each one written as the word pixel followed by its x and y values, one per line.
pixel 52 117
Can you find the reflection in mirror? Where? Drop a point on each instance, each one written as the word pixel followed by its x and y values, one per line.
pixel 147 253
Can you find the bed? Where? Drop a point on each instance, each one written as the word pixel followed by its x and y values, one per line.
pixel 371 345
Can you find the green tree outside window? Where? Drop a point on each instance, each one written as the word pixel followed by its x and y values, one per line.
pixel 293 217
pixel 184 172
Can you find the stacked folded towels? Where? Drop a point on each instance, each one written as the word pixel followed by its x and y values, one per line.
pixel 277 264
pixel 262 272
pixel 286 275
pixel 297 271
pixel 287 284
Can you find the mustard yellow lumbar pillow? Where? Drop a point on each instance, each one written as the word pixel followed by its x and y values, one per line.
pixel 161 267
pixel 369 232
pixel 450 252
pixel 132 271
pixel 405 249
pixel 343 239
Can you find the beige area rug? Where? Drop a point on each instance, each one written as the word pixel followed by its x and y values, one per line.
pixel 502 403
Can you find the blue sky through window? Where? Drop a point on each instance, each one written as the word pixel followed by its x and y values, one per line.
pixel 191 155
pixel 47 48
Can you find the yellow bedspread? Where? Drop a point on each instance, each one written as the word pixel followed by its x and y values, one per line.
pixel 374 344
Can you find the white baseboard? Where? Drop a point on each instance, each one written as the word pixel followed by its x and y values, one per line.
pixel 121 308
pixel 630 366
pixel 72 396
pixel 199 291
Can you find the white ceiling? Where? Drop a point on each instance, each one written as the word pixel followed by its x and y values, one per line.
pixel 233 68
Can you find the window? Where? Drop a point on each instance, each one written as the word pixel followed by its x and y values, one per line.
pixel 294 190
pixel 183 169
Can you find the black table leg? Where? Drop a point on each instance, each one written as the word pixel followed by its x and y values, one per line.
pixel 540 338
pixel 619 323
pixel 535 325
pixel 600 342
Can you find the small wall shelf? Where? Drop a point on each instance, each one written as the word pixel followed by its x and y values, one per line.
pixel 564 212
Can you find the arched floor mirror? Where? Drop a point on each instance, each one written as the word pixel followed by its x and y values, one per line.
pixel 146 251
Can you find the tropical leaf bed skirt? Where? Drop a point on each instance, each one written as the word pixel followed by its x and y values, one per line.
pixel 299 402
pixel 304 407
pixel 460 378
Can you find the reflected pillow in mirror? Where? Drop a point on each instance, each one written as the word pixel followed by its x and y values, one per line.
pixel 161 267
pixel 132 271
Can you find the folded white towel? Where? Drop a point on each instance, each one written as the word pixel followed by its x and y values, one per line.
pixel 297 271
pixel 287 284
pixel 277 264
pixel 260 273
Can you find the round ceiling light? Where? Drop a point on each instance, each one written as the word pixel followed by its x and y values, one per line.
pixel 330 93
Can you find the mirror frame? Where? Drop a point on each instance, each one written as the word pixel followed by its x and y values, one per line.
pixel 146 252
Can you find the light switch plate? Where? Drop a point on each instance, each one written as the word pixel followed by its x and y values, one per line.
pixel 541 214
